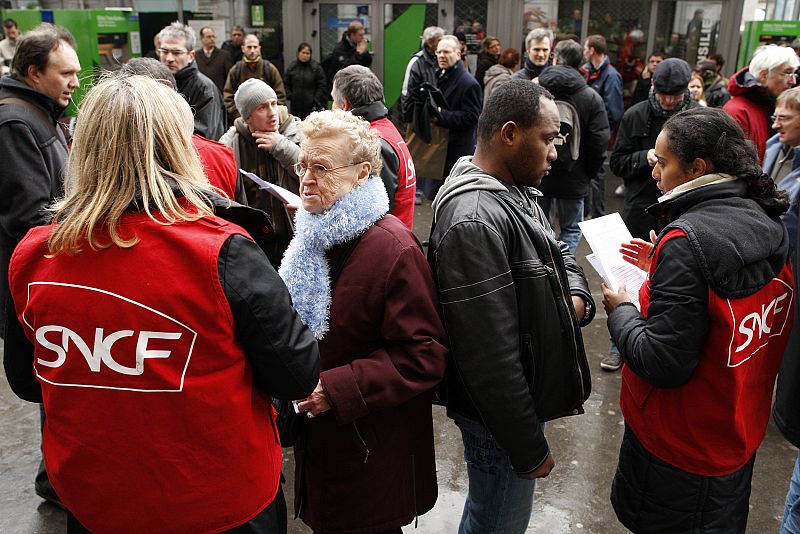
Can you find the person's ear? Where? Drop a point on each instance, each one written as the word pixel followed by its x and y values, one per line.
pixel 508 132
pixel 762 76
pixel 700 167
pixel 364 171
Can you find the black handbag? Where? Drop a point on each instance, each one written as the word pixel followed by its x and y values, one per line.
pixel 290 423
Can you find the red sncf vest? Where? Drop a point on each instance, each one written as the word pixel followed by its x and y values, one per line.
pixel 713 424
pixel 153 422
pixel 403 207
pixel 219 164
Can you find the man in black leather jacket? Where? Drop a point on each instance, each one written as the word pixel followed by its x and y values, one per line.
pixel 513 301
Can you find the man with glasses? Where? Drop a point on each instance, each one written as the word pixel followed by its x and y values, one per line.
pixel 177 53
pixel 265 140
pixel 782 157
pixel 782 163
pixel 755 88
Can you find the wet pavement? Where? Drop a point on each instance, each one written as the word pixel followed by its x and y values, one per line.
pixel 573 499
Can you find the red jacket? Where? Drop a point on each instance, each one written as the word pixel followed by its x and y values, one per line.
pixel 403 207
pixel 713 424
pixel 751 106
pixel 219 164
pixel 153 421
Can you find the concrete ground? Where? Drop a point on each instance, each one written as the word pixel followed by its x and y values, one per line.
pixel 573 499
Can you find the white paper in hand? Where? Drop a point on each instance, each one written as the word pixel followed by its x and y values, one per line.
pixel 605 235
pixel 284 195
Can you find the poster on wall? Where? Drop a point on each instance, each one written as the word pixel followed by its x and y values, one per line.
pixel 697 24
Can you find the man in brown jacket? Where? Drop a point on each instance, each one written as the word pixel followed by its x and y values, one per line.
pixel 252 65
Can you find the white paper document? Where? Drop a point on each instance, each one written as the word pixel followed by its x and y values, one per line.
pixel 284 195
pixel 605 235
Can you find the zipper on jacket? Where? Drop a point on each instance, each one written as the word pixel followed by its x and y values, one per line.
pixel 364 443
pixel 564 302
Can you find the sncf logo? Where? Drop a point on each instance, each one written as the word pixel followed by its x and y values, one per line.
pixel 150 352
pixel 754 328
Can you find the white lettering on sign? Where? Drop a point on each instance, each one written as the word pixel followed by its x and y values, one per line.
pixel 759 321
pixel 751 329
pixel 101 351
pixel 152 357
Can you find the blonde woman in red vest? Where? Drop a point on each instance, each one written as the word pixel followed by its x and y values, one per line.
pixel 154 332
pixel 702 356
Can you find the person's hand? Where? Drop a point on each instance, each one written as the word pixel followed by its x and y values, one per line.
pixel 637 251
pixel 266 140
pixel 543 470
pixel 580 307
pixel 316 403
pixel 613 299
pixel 362 46
pixel 651 157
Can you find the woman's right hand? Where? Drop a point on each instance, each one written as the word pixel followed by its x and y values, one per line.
pixel 637 251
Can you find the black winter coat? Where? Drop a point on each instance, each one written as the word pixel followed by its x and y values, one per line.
pixel 204 99
pixel 485 62
pixel 34 155
pixel 505 286
pixel 786 410
pixel 566 83
pixel 306 87
pixel 343 55
pixel 421 68
pixel 637 134
pixel 464 105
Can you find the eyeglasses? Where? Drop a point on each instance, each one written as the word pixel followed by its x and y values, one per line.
pixel 781 118
pixel 317 170
pixel 177 52
pixel 788 73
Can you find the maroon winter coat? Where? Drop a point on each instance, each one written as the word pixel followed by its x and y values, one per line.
pixel 367 465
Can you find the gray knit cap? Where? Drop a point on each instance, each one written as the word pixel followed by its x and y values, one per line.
pixel 251 94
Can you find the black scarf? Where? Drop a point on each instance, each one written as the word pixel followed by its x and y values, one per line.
pixel 658 111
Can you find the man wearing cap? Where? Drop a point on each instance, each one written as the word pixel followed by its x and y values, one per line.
pixel 265 141
pixel 633 158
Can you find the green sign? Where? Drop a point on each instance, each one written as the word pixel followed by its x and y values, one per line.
pixel 256 16
pixel 763 32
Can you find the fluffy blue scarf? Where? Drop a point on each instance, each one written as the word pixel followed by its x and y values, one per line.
pixel 305 268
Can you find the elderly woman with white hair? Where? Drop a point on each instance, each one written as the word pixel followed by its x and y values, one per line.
pixel 359 280
pixel 154 332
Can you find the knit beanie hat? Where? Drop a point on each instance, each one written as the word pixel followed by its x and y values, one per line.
pixel 251 94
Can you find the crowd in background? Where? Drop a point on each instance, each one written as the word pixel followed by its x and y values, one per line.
pixel 214 304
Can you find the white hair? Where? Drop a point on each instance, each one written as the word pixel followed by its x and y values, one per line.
pixel 176 30
pixel 769 57
pixel 431 32
pixel 537 34
pixel 453 39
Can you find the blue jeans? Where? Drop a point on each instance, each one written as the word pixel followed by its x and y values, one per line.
pixel 498 500
pixel 791 513
pixel 570 213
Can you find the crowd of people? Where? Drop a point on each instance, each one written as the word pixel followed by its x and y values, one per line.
pixel 222 318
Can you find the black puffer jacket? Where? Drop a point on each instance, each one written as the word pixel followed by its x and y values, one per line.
pixel 34 155
pixel 204 99
pixel 566 83
pixel 306 87
pixel 485 62
pixel 505 286
pixel 637 134
pixel 421 68
pixel 733 248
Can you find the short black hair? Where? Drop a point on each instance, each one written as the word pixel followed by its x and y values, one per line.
pixel 9 23
pixel 516 100
pixel 303 45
